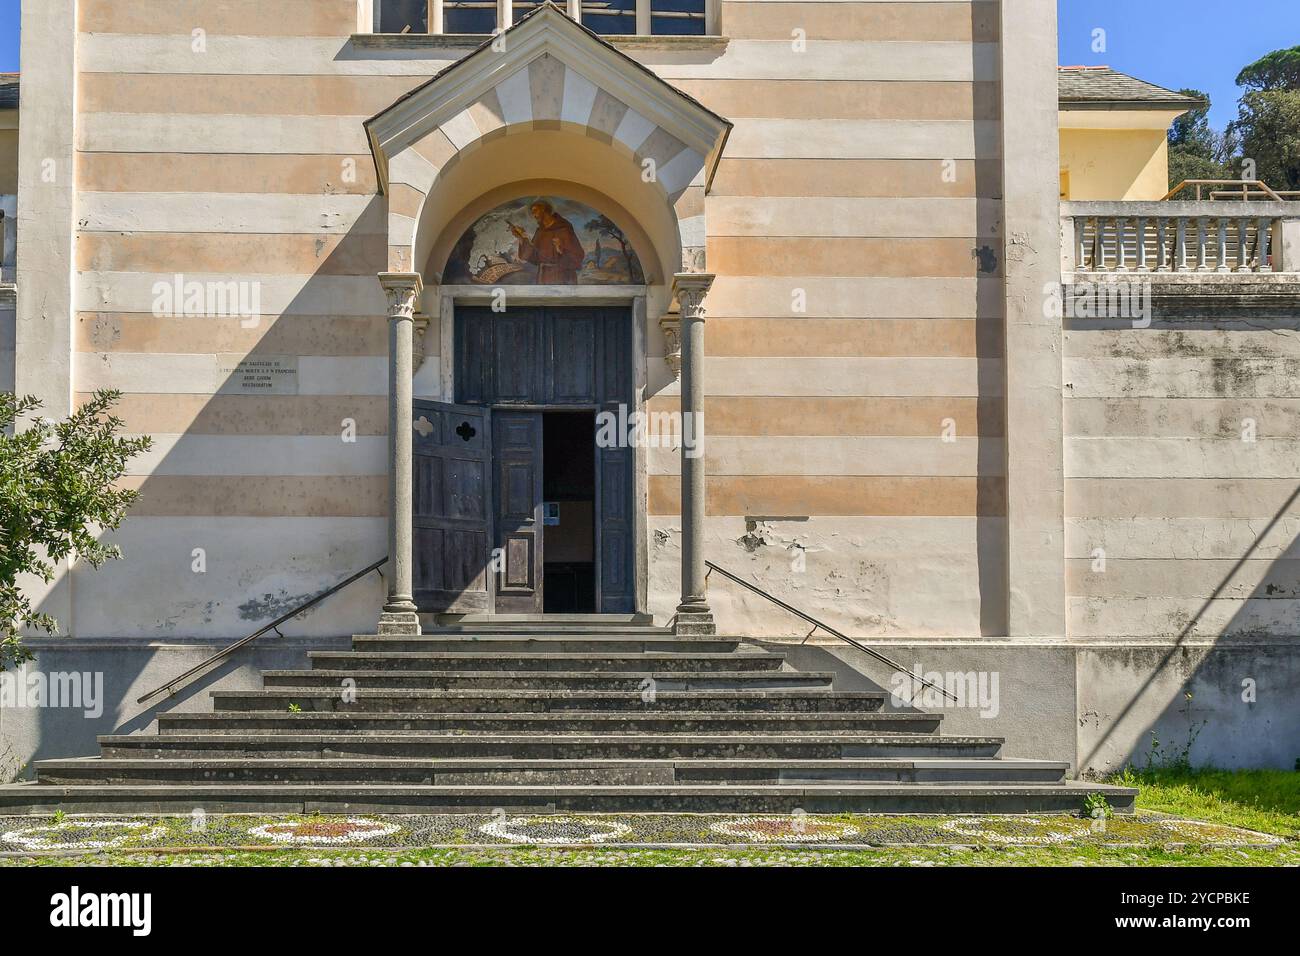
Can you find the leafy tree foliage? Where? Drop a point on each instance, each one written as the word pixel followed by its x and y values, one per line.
pixel 57 495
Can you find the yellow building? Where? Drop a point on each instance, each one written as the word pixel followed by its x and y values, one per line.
pixel 1114 134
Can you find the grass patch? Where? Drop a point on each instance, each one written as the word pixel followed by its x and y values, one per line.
pixel 1263 800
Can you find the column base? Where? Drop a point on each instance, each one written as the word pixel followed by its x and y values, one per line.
pixel 399 619
pixel 695 621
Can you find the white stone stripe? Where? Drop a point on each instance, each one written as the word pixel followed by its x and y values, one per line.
pixel 515 95
pixel 255 570
pixel 819 216
pixel 579 95
pixel 231 212
pixel 1183 538
pixel 461 130
pixel 801 455
pixel 1181 458
pixel 1192 378
pixel 220 133
pixel 633 129
pixel 676 174
pixel 1113 617
pixel 867 298
pixel 273 294
pixel 744 59
pixel 413 169
pixel 174 374
pixel 262 455
pixel 864 139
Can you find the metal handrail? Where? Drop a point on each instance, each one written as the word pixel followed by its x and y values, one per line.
pixel 1246 188
pixel 172 684
pixel 818 625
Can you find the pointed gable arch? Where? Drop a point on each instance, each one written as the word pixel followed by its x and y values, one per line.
pixel 546 72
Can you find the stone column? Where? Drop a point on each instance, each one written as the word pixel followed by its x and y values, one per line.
pixel 693 614
pixel 403 290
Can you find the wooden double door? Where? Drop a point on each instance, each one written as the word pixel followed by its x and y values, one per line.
pixel 486 494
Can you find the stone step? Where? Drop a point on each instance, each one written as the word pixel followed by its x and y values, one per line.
pixel 515 772
pixel 669 746
pixel 660 721
pixel 35 798
pixel 476 660
pixel 532 643
pixel 498 701
pixel 628 682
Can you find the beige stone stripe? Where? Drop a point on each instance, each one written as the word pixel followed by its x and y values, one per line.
pixel 198 93
pixel 1183 497
pixel 880 21
pixel 936 338
pixel 170 373
pixel 227 173
pixel 276 294
pixel 855 297
pixel 245 17
pixel 1182 417
pixel 854 217
pixel 744 59
pixel 260 495
pixel 250 56
pixel 278 335
pixel 793 496
pixel 839 455
pixel 802 256
pixel 793 98
pixel 250 414
pixel 864 139
pixel 884 416
pixel 883 178
pixel 232 252
pixel 1138 578
pixel 930 377
pixel 1185 538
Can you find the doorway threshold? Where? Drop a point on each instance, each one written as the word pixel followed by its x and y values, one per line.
pixel 484 618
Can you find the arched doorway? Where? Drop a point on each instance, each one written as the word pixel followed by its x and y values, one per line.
pixel 549 113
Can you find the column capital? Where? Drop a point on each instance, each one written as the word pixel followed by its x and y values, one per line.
pixel 689 289
pixel 402 289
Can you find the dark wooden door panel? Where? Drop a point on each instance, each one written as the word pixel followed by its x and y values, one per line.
pixel 570 347
pixel 614 529
pixel 517 463
pixel 450 507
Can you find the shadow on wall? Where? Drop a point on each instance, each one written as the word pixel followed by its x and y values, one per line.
pixel 267 481
pixel 1224 693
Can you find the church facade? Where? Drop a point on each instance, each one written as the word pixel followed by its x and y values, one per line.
pixel 557 308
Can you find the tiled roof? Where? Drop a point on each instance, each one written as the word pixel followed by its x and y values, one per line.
pixel 1101 88
pixel 8 91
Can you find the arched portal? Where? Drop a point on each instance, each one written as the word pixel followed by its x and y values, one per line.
pixel 545 109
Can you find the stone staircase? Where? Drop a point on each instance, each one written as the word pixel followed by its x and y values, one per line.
pixel 578 714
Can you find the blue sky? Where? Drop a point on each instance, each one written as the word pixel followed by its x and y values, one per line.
pixel 1175 43
pixel 1201 44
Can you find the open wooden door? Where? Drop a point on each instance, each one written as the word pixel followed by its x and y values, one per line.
pixel 450 507
pixel 517 492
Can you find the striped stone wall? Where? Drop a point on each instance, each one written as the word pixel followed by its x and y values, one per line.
pixel 830 479
pixel 854 329
pixel 1181 498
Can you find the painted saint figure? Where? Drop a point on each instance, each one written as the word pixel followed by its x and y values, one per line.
pixel 554 247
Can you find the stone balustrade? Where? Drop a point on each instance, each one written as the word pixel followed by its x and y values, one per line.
pixel 1186 239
